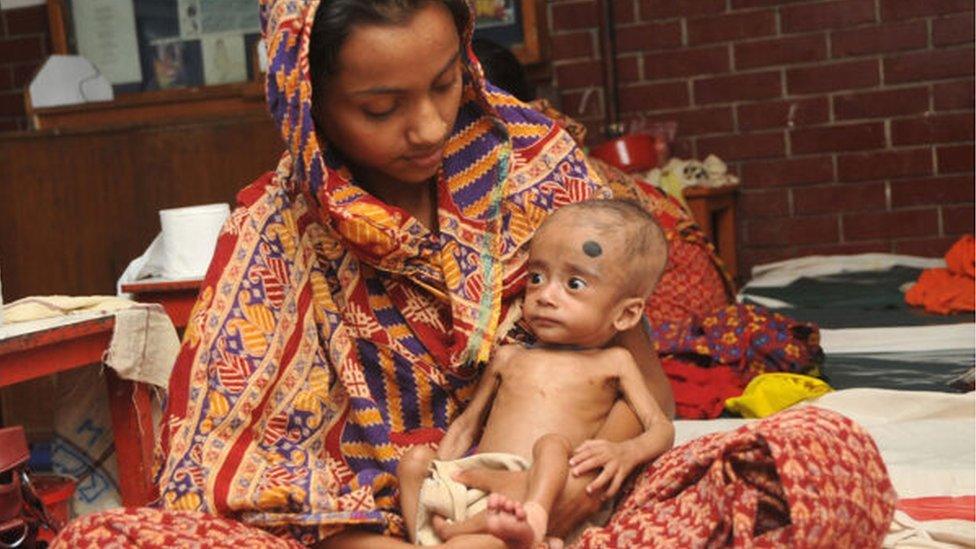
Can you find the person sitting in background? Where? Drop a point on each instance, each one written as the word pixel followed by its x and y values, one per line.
pixel 503 69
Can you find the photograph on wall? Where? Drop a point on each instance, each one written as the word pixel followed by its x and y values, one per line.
pixel 223 16
pixel 499 21
pixel 224 58
pixel 494 13
pixel 175 64
pixel 105 34
pixel 148 45
pixel 190 24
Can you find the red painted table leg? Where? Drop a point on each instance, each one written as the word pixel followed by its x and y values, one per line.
pixel 130 405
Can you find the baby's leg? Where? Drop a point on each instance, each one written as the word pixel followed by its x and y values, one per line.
pixel 411 472
pixel 522 524
pixel 547 478
pixel 475 524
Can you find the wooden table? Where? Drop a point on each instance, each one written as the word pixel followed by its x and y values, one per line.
pixel 714 210
pixel 31 350
pixel 176 296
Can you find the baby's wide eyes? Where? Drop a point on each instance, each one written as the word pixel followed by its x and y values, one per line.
pixel 535 278
pixel 576 283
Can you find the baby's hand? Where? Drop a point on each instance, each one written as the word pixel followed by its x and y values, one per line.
pixel 617 459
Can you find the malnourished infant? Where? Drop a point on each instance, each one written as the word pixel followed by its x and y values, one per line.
pixel 590 269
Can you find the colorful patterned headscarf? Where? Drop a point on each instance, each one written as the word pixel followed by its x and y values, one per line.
pixel 333 331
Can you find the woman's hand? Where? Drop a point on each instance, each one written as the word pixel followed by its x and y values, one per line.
pixel 616 459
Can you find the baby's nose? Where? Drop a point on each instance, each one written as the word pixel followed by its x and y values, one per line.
pixel 545 295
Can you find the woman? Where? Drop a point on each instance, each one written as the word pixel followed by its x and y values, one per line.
pixel 359 290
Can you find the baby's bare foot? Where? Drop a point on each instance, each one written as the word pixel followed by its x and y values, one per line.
pixel 508 521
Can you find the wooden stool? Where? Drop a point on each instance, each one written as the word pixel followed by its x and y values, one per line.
pixel 176 296
pixel 714 210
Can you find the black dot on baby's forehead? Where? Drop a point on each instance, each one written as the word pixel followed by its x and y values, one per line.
pixel 592 249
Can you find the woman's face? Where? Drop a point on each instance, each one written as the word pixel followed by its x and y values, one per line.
pixel 393 100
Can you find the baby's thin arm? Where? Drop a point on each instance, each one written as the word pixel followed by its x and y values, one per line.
pixel 463 430
pixel 658 435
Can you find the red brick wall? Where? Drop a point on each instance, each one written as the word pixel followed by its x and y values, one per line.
pixel 850 122
pixel 23 46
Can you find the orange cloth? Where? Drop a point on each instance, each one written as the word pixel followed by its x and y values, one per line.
pixel 952 289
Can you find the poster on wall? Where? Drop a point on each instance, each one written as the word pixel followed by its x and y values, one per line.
pixel 494 13
pixel 105 33
pixel 224 58
pixel 189 11
pixel 148 45
pixel 223 16
pixel 175 63
pixel 501 21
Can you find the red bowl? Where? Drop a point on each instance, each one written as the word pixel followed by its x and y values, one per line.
pixel 636 152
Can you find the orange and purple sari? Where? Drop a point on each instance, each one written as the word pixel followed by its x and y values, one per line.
pixel 334 331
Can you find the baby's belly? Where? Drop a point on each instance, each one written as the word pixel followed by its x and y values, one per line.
pixel 516 432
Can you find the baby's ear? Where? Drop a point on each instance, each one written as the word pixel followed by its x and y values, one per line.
pixel 629 313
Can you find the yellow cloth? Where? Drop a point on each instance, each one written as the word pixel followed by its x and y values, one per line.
pixel 452 500
pixel 767 394
pixel 674 185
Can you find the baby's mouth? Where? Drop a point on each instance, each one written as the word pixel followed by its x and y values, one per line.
pixel 543 321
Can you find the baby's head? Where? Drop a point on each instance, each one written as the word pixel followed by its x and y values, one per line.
pixel 591 267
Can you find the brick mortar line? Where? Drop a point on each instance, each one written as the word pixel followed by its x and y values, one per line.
pixel 638 23
pixel 856 26
pixel 841 123
pixel 572 60
pixel 829 32
pixel 567 32
pixel 767 38
pixel 900 53
pixel 735 118
pixel 879 56
pixel 882 54
pixel 800 65
pixel 806 64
